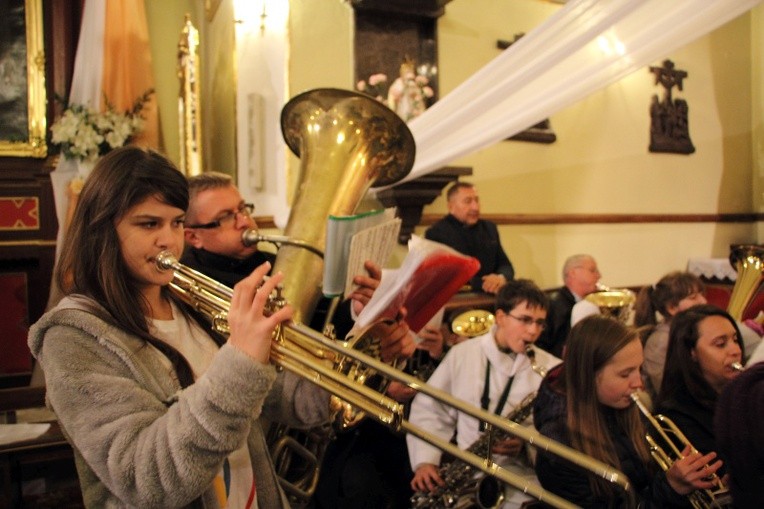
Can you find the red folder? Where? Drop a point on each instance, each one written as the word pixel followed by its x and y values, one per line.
pixel 425 282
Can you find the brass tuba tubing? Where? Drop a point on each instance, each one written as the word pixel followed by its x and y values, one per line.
pixel 748 261
pixel 313 356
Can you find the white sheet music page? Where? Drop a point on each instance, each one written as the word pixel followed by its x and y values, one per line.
pixel 375 244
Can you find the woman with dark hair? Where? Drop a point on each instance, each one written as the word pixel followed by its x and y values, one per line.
pixel 159 411
pixel 674 292
pixel 704 344
pixel 586 404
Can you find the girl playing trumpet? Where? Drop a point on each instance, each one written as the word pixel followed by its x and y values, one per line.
pixel 586 403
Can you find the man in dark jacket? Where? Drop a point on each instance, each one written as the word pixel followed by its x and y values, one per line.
pixel 580 276
pixel 463 230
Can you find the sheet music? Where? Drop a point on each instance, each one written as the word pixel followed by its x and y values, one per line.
pixel 375 244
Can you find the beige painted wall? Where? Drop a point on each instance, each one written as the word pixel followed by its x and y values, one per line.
pixel 600 163
pixel 165 20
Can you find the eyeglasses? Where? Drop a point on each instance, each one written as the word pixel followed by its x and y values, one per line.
pixel 245 209
pixel 527 320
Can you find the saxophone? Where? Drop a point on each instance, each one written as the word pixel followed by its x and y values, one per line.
pixel 462 489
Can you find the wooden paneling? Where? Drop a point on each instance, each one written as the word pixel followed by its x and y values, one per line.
pixel 28 227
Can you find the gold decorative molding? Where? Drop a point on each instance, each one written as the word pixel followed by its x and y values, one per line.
pixel 34 144
pixel 28 243
pixel 189 106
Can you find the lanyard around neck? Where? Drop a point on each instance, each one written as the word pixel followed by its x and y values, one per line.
pixel 485 399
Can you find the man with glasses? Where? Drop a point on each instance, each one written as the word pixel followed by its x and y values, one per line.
pixel 580 276
pixel 494 372
pixel 216 218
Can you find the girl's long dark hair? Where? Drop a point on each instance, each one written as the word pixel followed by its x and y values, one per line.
pixel 91 261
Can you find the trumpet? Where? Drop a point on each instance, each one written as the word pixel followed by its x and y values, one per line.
pixel 718 497
pixel 342 368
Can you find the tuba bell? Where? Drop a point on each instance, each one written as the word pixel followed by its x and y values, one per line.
pixel 346 142
pixel 748 260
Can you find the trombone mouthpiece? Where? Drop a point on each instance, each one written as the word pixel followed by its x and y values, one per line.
pixel 166 260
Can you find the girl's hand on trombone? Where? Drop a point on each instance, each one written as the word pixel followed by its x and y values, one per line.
pixel 251 328
pixel 693 471
pixel 426 478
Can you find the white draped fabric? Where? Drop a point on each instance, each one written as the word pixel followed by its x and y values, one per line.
pixel 86 90
pixel 582 48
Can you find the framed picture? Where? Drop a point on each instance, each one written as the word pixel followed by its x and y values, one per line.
pixel 22 75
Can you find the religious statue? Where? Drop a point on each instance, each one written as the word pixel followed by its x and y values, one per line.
pixel 669 125
pixel 408 94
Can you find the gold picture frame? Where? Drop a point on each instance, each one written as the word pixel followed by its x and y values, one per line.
pixel 22 63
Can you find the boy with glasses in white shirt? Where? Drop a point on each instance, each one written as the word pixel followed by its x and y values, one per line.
pixel 493 371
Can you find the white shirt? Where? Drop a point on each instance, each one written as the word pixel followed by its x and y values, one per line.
pixel 462 374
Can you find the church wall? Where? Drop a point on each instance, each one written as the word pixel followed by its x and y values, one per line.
pixel 600 163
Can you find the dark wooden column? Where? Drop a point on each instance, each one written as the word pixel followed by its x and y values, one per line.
pixel 411 197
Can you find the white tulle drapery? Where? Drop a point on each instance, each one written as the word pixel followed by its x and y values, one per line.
pixel 585 46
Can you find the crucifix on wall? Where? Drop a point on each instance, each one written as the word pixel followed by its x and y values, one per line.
pixel 669 124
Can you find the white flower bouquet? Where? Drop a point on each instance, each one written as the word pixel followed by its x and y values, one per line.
pixel 84 134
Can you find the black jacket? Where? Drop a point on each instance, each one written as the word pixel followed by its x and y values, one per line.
pixel 480 241
pixel 555 334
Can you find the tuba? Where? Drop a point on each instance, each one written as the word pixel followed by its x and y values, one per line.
pixel 748 260
pixel 669 435
pixel 346 142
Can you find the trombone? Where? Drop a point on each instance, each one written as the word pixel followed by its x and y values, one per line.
pixel 342 369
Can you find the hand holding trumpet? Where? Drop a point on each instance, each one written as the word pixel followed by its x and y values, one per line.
pixel 692 471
